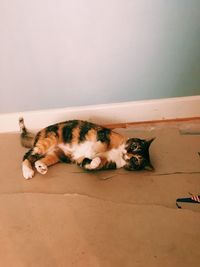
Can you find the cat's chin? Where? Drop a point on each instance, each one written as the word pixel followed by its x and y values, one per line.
pixel 130 168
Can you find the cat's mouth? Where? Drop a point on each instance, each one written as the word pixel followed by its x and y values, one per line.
pixel 126 157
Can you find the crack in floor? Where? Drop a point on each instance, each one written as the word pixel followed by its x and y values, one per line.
pixel 153 204
pixel 154 174
pixel 178 172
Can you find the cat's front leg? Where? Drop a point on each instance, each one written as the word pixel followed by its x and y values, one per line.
pixel 91 164
pixel 94 164
pixel 42 164
pixel 41 167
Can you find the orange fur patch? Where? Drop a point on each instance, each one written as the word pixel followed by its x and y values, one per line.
pixel 50 159
pixel 116 140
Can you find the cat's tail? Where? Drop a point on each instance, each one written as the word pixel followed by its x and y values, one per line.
pixel 26 137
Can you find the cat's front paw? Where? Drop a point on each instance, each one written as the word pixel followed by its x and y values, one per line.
pixel 41 167
pixel 94 164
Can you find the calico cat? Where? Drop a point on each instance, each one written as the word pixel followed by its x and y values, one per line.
pixel 91 146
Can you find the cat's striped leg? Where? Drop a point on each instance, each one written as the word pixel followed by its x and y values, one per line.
pixel 42 164
pixel 39 150
pixel 50 159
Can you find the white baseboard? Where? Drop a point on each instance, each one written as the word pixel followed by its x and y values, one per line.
pixel 147 110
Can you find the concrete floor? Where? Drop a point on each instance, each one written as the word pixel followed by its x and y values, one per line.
pixel 104 219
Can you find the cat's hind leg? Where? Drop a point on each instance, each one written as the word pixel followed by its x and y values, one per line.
pixel 27 169
pixel 27 165
pixel 36 153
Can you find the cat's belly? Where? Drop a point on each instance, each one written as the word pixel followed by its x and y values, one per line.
pixel 77 151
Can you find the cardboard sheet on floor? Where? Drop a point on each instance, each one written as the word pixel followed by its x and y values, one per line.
pixel 58 231
pixel 70 217
pixel 174 156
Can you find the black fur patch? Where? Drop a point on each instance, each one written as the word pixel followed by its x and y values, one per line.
pixel 84 129
pixel 32 157
pixel 111 166
pixel 52 129
pixel 103 135
pixel 28 154
pixel 37 138
pixel 65 159
pixel 67 130
pixel 62 157
pixel 85 161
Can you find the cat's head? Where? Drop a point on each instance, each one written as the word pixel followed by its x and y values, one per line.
pixel 137 154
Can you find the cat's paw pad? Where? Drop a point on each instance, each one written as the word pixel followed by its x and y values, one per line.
pixel 27 172
pixel 41 167
pixel 95 163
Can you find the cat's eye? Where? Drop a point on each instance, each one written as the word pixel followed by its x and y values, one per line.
pixel 134 146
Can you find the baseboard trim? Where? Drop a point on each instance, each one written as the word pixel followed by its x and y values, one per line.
pixel 115 113
pixel 154 122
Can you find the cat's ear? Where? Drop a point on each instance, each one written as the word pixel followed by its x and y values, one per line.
pixel 149 141
pixel 149 167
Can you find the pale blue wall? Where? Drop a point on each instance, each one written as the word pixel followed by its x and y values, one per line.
pixel 59 53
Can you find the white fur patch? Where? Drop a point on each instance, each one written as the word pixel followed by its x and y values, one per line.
pixel 77 151
pixel 41 167
pixel 116 155
pixel 28 172
pixel 87 150
pixel 93 164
